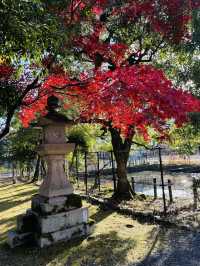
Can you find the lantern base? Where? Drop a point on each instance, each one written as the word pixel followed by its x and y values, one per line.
pixel 51 220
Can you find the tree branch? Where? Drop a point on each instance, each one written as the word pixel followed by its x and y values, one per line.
pixel 14 107
pixel 133 60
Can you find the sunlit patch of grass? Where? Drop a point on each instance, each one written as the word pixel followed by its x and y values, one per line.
pixel 14 200
pixel 117 240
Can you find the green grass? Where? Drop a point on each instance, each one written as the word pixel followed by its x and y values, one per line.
pixel 117 240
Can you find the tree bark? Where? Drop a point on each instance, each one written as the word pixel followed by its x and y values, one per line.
pixel 121 149
pixel 37 170
pixel 13 173
pixel 5 129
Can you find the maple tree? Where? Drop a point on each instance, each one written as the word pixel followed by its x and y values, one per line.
pixel 122 90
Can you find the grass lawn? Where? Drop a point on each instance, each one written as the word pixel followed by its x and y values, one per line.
pixel 117 240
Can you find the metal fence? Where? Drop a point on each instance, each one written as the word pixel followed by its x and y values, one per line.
pixel 158 173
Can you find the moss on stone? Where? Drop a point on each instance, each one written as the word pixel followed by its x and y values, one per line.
pixel 74 200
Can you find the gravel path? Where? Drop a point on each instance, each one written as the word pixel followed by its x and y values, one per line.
pixel 174 247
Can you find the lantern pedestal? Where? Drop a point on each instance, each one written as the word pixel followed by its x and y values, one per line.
pixel 55 183
pixel 51 220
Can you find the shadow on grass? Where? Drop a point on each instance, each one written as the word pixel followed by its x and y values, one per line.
pixel 6 181
pixel 100 215
pixel 13 198
pixel 104 249
pixel 5 187
pixel 101 250
pixel 6 205
pixel 8 221
pixel 16 188
pixel 10 225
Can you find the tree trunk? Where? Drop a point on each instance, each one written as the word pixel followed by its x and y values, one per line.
pixel 123 187
pixel 37 170
pixel 13 173
pixel 43 169
pixel 121 149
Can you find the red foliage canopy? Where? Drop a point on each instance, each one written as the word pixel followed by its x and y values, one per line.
pixel 168 17
pixel 128 97
pixel 135 97
pixel 131 99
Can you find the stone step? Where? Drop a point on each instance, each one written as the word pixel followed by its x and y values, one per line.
pixel 17 239
pixel 64 235
pixel 55 222
pixel 45 206
pixel 33 222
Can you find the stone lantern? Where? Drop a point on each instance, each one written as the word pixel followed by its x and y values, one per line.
pixel 53 150
pixel 56 212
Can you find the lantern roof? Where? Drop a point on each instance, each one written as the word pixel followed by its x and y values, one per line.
pixel 53 116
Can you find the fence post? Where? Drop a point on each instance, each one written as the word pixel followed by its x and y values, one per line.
pixel 170 191
pixel 113 171
pixel 195 193
pixel 133 183
pixel 98 172
pixel 155 188
pixel 86 174
pixel 162 180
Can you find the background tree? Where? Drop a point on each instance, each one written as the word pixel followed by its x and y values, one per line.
pixel 29 31
pixel 184 69
pixel 185 140
pixel 21 151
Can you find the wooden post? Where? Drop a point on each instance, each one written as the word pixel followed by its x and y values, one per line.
pixel 133 183
pixel 195 193
pixel 155 188
pixel 170 191
pixel 86 174
pixel 98 172
pixel 162 181
pixel 113 172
